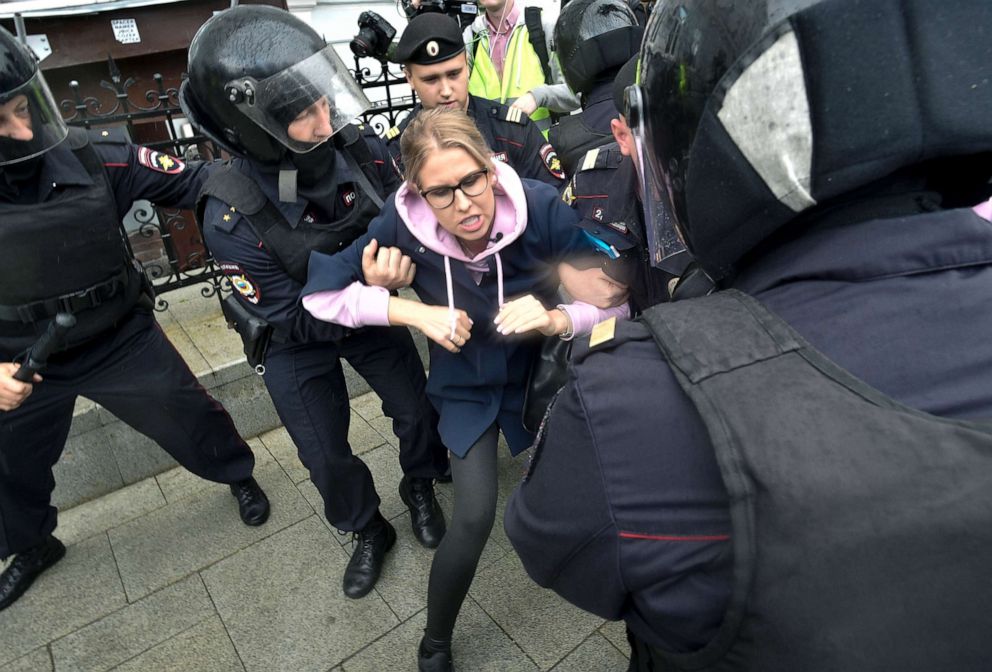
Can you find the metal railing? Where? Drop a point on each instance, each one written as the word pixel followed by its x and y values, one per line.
pixel 168 242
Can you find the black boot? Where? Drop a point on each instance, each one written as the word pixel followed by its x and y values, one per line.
pixel 434 656
pixel 26 567
pixel 426 516
pixel 253 505
pixel 363 570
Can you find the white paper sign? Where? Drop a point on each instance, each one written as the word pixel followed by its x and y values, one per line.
pixel 125 30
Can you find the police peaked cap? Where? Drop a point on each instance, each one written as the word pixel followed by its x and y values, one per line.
pixel 429 38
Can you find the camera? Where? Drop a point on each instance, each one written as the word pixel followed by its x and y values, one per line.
pixel 463 11
pixel 375 37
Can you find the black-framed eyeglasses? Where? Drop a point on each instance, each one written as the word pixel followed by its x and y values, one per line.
pixel 472 184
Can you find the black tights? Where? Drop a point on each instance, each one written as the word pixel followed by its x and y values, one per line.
pixel 475 480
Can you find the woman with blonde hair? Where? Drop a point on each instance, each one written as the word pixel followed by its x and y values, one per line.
pixel 484 243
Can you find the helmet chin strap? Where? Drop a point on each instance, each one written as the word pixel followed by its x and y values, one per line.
pixel 305 170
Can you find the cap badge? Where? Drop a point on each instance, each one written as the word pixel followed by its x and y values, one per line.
pixel 432 48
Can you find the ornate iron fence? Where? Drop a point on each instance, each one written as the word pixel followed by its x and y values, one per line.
pixel 168 242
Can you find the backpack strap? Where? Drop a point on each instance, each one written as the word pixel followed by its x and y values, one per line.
pixel 359 159
pixel 242 193
pixel 535 31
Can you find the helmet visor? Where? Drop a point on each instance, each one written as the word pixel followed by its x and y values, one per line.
pixel 303 105
pixel 661 228
pixel 30 123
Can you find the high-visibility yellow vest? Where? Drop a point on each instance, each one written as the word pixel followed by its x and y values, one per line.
pixel 521 72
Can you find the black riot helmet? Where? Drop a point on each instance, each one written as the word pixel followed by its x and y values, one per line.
pixel 252 70
pixel 751 112
pixel 593 38
pixel 30 123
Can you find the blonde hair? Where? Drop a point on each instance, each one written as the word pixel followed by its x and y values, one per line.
pixel 438 129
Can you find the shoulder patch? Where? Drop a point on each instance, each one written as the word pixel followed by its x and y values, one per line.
pixel 551 161
pixel 510 114
pixel 241 282
pixel 392 133
pixel 603 332
pixel 589 160
pixel 160 161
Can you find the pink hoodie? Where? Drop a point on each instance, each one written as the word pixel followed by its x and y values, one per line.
pixel 360 305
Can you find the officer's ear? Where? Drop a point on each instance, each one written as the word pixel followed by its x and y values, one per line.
pixel 406 72
pixel 623 136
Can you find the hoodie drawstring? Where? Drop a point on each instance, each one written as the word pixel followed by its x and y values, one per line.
pixel 452 319
pixel 499 279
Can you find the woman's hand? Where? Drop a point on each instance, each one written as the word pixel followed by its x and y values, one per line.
pixel 434 321
pixel 13 392
pixel 592 286
pixel 387 267
pixel 528 314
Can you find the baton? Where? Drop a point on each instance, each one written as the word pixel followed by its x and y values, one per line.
pixel 38 355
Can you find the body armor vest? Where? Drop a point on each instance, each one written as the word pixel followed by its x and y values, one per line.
pixel 291 245
pixel 862 529
pixel 65 254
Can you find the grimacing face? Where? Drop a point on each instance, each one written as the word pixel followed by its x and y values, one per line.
pixel 443 84
pixel 468 218
pixel 312 125
pixel 15 119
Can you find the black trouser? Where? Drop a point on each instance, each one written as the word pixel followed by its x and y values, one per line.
pixel 643 657
pixel 134 372
pixel 308 388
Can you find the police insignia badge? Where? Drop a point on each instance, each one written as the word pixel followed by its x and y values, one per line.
pixel 160 162
pixel 569 194
pixel 550 158
pixel 241 282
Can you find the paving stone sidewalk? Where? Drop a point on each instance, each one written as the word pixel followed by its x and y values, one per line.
pixel 162 576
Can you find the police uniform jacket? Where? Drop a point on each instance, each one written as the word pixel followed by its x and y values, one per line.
pixel 576 134
pixel 513 137
pixel 62 245
pixel 257 278
pixel 625 513
pixel 604 192
pixel 484 382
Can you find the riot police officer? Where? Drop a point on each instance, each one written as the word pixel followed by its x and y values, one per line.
pixel 63 193
pixel 791 473
pixel 606 193
pixel 265 86
pixel 433 56
pixel 593 38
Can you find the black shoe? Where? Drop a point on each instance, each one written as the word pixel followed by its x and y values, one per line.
pixel 426 516
pixel 363 570
pixel 253 505
pixel 445 477
pixel 434 658
pixel 27 567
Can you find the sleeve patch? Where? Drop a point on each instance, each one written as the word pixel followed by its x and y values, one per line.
pixel 160 162
pixel 241 282
pixel 550 159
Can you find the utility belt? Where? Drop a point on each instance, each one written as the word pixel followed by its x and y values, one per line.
pixel 73 303
pixel 255 333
